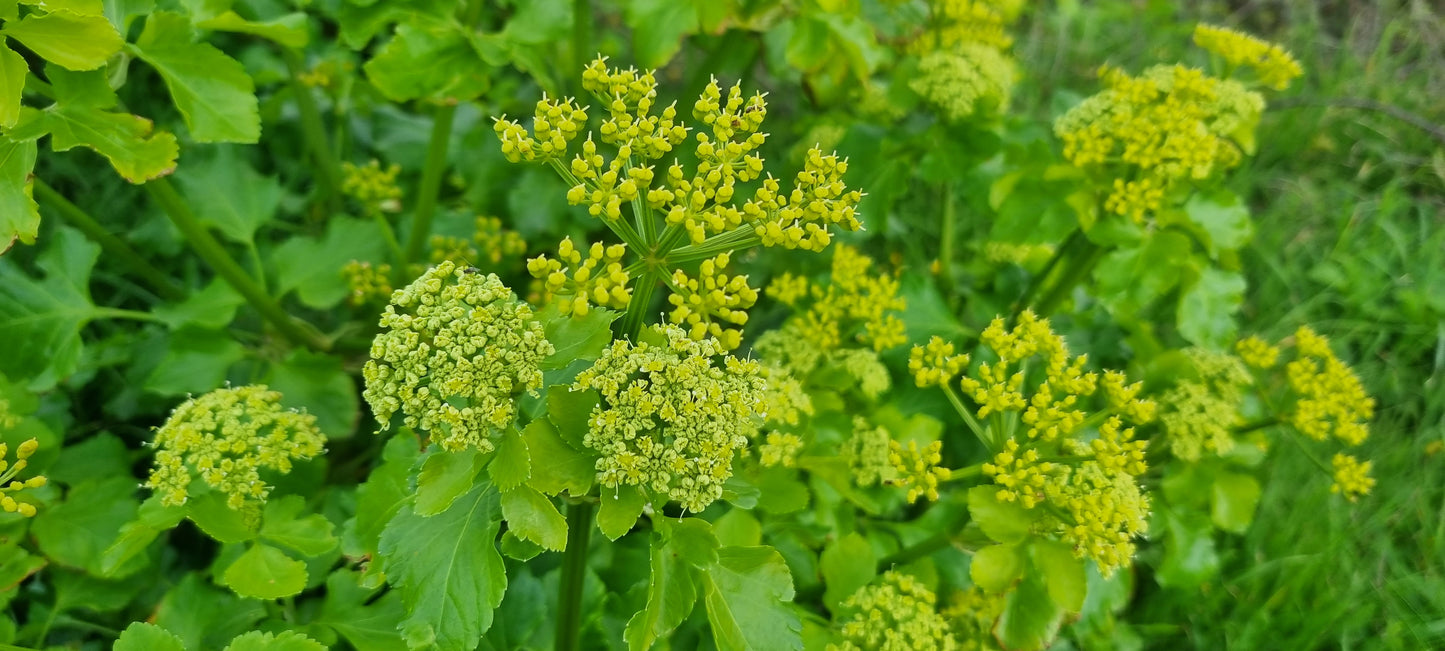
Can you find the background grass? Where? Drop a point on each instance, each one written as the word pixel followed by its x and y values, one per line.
pixel 1348 190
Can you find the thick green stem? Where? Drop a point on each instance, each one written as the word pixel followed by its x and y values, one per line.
pixel 1257 425
pixel 1042 278
pixel 431 181
pixel 631 323
pixel 1079 268
pixel 71 213
pixel 945 244
pixel 968 418
pixel 574 573
pixel 210 250
pixel 737 239
pixel 313 130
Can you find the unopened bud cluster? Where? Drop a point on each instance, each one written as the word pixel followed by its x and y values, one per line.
pixel 10 487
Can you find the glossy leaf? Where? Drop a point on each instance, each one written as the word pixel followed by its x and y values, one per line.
pixel 618 510
pixel 210 513
pixel 74 41
pixel 575 337
pixel 212 91
pixel 205 617
pixel 532 516
pixel 77 531
pixel 19 214
pixel 47 314
pixel 995 568
pixel 319 384
pixel 12 82
pixel 444 477
pixel 265 572
pixel 511 464
pixel 1234 498
pixel 747 593
pixel 1207 307
pixel 288 30
pixel 284 641
pixel 566 468
pixel 383 493
pixel 1030 619
pixel 847 563
pixel 142 636
pixel 1005 522
pixel 229 194
pixel 311 266
pixel 1223 218
pixel 429 59
pixel 152 519
pixel 657 29
pixel 1063 573
pixel 195 362
pixel 368 624
pixel 131 144
pixel 282 523
pixel 671 596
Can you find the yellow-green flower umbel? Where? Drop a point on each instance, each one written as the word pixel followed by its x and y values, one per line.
pixel 671 419
pixel 227 437
pixel 10 487
pixel 897 613
pixel 456 347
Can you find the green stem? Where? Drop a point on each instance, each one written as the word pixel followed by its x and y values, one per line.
pixel 631 323
pixel 71 213
pixel 210 250
pixel 1079 268
pixel 117 313
pixel 574 573
pixel 1257 425
pixel 313 130
pixel 399 271
pixel 431 181
pixel 940 540
pixel 969 419
pixel 1298 440
pixel 945 244
pixel 964 474
pixel 1064 250
pixel 737 239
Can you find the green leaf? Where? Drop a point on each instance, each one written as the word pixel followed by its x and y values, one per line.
pixel 265 572
pixel 847 563
pixel 618 510
pixel 213 92
pixel 1005 522
pixel 1235 497
pixel 99 456
pixel 12 83
pixel 539 22
pixel 76 532
pixel 444 477
pixel 219 521
pixel 140 636
pixel 431 59
pixel 204 617
pixel 575 338
pixel 284 641
pixel 319 384
pixel 738 528
pixel 311 266
pixel 230 195
pixel 657 29
pixel 532 516
pixel 692 539
pixel 16 565
pixel 1190 557
pixel 1206 310
pixel 1128 280
pixel 810 45
pixel 512 463
pixel 151 520
pixel 996 567
pixel 671 595
pixel 368 624
pixel 288 30
pixel 448 570
pixel 122 13
pixel 1063 574
pixel 136 151
pixel 74 41
pixel 522 550
pixel 196 361
pixel 19 215
pixel 211 308
pixel 383 493
pixel 1030 620
pixel 569 411
pixel 281 524
pixel 47 314
pixel 781 492
pixel 748 591
pixel 566 468
pixel 1223 218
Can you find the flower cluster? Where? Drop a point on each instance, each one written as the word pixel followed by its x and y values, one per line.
pixel 785 400
pixel 1257 353
pixel 897 613
pixel 1272 65
pixel 916 468
pixel 935 363
pixel 853 302
pixel 554 125
pixel 869 453
pixel 780 449
pixel 1080 469
pixel 489 247
pixel 598 279
pixel 374 187
pixel 227 437
pixel 670 419
pixel 1330 399
pixel 961 22
pixel 972 614
pixel 11 487
pixel 455 349
pixel 1352 477
pixel 1200 413
pixel 972 79
pixel 368 282
pixel 711 302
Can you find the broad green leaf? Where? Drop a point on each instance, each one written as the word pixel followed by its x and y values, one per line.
pixel 1063 574
pixel 288 30
pixel 89 88
pixel 80 7
pixel 512 462
pixel 575 337
pixel 16 565
pixel 692 539
pixel 381 496
pixel 444 477
pixel 99 456
pixel 151 520
pixel 1005 522
pixel 312 266
pixel 213 92
pixel 230 195
pixel 532 516
pixel 566 469
pixel 996 567
pixel 74 41
pixel 1223 218
pixel 847 563
pixel 1030 620
pixel 781 492
pixel 369 625
pixel 211 308
pixel 77 590
pixel 12 82
pixel 1206 309
pixel 284 641
pixel 76 532
pixel 657 29
pixel 196 361
pixel 671 595
pixel 136 151
pixel 319 384
pixel 448 570
pixel 1129 279
pixel 265 572
pixel 19 215
pixel 618 510
pixel 122 13
pixel 523 613
pixel 141 636
pixel 1190 557
pixel 521 549
pixel 540 21
pixel 809 46
pixel 210 513
pixel 738 528
pixel 748 592
pixel 569 411
pixel 429 59
pixel 1234 499
pixel 47 314
pixel 283 524
pixel 205 617
pixel 361 20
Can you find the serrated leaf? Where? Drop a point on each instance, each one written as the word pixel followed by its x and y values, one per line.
pixel 618 510
pixel 141 636
pixel 19 214
pixel 518 548
pixel 12 83
pixel 1005 522
pixel 747 594
pixel 575 337
pixel 379 498
pixel 692 540
pixel 283 524
pixel 428 59
pixel 1063 573
pixel 151 520
pixel 512 462
pixel 74 41
pixel 738 528
pixel 566 468
pixel 1129 279
pixel 532 516
pixel 230 194
pixel 1234 498
pixel 210 513
pixel 212 91
pixel 1223 217
pixel 288 30
pixel 205 617
pixel 77 531
pixel 284 641
pixel 444 477
pixel 368 624
pixel 671 596
pixel 448 570
pixel 1207 307
pixel 847 563
pixel 136 151
pixel 265 572
pixel 211 308
pixel 47 314
pixel 996 567
pixel 1030 620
